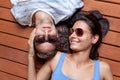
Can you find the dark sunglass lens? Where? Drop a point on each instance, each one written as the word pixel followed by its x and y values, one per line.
pixel 79 32
pixel 40 38
pixel 52 39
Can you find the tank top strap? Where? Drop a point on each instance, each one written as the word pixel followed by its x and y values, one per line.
pixel 96 70
pixel 61 60
pixel 56 75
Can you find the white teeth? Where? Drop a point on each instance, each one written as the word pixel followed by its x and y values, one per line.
pixel 73 41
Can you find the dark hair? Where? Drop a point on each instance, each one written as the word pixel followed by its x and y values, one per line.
pixel 98 25
pixel 63 40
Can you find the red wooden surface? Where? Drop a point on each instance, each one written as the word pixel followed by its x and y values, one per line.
pixel 14 47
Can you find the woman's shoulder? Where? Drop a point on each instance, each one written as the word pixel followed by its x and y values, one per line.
pixel 104 65
pixel 55 59
pixel 105 70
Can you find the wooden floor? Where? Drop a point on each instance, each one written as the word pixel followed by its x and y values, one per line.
pixel 14 47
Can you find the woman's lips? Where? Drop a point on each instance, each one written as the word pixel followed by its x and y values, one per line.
pixel 73 42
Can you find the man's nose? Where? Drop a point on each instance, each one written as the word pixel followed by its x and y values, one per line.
pixel 46 34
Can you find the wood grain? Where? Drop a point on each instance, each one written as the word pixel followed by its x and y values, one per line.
pixel 14 47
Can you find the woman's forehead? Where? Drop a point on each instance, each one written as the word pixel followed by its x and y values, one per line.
pixel 81 24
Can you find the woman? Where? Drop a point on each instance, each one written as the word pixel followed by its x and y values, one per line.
pixel 82 62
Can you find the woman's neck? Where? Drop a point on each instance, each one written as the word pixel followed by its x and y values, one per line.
pixel 81 57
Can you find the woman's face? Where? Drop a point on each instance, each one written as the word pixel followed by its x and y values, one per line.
pixel 81 39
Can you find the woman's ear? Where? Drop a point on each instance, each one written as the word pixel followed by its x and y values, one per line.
pixel 95 39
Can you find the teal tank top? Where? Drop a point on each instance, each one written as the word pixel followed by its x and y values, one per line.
pixel 58 75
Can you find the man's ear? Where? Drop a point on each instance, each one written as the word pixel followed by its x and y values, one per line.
pixel 95 39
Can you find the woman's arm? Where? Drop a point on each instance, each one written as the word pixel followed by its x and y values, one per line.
pixel 50 65
pixel 31 68
pixel 31 63
pixel 45 72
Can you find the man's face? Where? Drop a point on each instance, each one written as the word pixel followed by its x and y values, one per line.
pixel 45 36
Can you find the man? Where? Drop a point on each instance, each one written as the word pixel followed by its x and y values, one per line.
pixel 44 14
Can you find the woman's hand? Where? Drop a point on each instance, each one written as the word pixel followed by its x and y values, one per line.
pixel 30 43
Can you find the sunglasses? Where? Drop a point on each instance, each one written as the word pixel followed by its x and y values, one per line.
pixel 78 31
pixel 41 39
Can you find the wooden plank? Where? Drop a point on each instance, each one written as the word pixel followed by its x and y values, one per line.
pixel 106 8
pixel 13 55
pixel 114 23
pixel 114 66
pixel 6 14
pixel 13 28
pixel 5 3
pixel 112 38
pixel 5 76
pixel 113 1
pixel 13 68
pixel 15 42
pixel 110 52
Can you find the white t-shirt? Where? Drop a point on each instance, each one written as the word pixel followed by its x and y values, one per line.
pixel 60 10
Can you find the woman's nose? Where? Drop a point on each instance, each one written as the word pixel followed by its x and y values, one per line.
pixel 73 35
